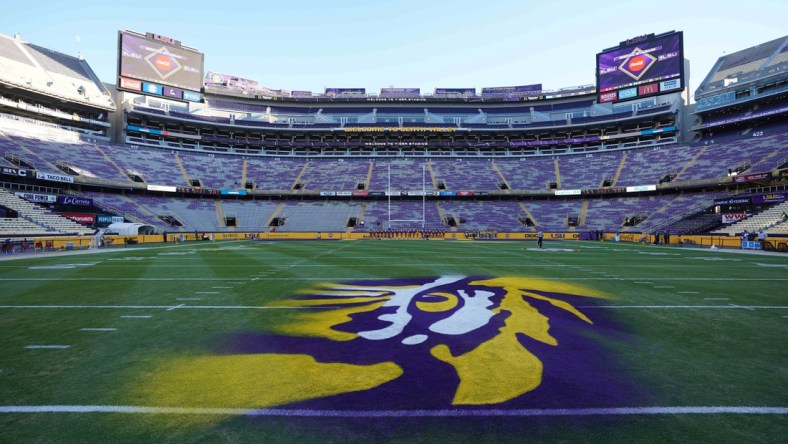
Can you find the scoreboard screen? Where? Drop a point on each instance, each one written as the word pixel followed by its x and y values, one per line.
pixel 158 65
pixel 641 67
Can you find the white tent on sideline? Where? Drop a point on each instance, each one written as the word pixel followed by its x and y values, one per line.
pixel 129 229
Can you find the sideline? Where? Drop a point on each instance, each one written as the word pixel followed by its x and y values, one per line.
pixel 114 249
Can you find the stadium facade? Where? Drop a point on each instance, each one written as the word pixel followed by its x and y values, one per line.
pixel 174 147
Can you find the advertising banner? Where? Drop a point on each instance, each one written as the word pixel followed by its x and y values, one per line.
pixel 731 218
pixel 74 200
pixel 35 197
pixel 461 91
pixel 398 92
pixel 509 90
pixel 85 219
pixel 641 188
pixel 742 200
pixel 338 91
pixel 54 177
pixel 8 171
pixel 770 198
pixel 752 177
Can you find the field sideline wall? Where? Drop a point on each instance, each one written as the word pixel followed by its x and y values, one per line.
pixel 82 242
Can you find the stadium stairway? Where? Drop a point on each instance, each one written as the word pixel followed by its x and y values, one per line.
pixel 35 156
pixel 766 159
pixel 221 221
pixel 442 216
pixel 243 174
pixel 369 176
pixel 275 214
pixel 529 215
pixel 691 162
pixel 581 218
pixel 618 171
pixel 142 208
pixel 432 176
pixel 359 218
pixel 557 174
pixel 109 159
pixel 183 170
pixel 503 178
pixel 300 175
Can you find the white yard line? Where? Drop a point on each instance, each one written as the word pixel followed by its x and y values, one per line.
pixel 604 411
pixel 98 329
pixel 39 347
pixel 346 278
pixel 693 307
pixel 274 307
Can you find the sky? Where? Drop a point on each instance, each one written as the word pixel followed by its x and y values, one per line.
pixel 313 44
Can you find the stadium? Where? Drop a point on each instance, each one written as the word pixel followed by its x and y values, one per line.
pixel 153 291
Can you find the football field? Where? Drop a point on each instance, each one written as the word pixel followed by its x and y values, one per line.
pixel 394 341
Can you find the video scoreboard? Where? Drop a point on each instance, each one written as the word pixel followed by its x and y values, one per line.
pixel 640 67
pixel 157 65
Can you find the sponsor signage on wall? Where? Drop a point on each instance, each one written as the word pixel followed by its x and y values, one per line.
pixel 74 200
pixel 744 200
pixel 641 188
pixel 752 177
pixel 106 219
pixel 86 219
pixel 731 218
pixel 8 171
pixel 35 197
pixel 54 177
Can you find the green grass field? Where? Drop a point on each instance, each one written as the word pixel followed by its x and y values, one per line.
pixel 394 341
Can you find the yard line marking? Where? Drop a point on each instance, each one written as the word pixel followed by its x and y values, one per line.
pixel 741 306
pixel 717 279
pixel 332 307
pixel 207 292
pixel 642 282
pixel 716 299
pixel 98 329
pixel 663 286
pixel 729 306
pixel 136 317
pixel 688 292
pixel 188 299
pixel 38 347
pixel 163 307
pixel 221 288
pixel 608 411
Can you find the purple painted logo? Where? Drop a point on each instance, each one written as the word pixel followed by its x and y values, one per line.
pixel 449 342
pixel 426 343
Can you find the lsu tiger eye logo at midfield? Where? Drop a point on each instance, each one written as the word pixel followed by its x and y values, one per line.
pixel 419 343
